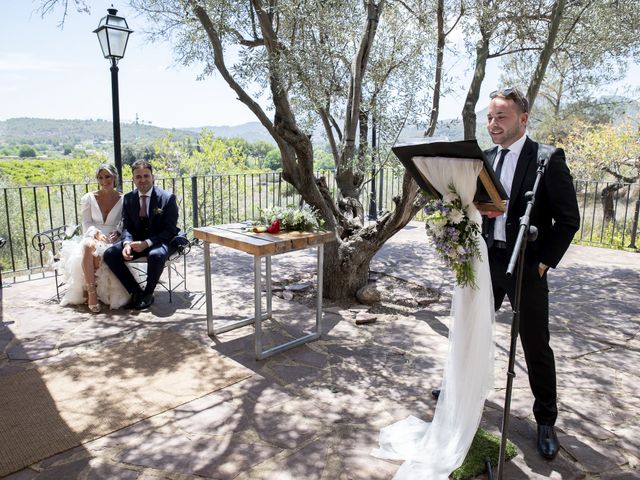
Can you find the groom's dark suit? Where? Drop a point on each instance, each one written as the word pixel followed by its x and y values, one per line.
pixel 160 227
pixel 557 217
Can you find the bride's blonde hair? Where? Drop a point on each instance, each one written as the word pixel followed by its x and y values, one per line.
pixel 109 168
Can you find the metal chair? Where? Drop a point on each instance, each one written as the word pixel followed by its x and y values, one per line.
pixel 176 266
pixel 53 238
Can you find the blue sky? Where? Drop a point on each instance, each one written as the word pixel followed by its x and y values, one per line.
pixel 48 72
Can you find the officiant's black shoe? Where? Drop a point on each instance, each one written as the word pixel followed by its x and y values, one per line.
pixel 548 444
pixel 145 301
pixel 435 393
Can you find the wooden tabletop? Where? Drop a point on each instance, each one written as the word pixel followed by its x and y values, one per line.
pixel 232 235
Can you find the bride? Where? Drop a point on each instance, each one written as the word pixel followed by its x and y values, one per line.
pixel 82 256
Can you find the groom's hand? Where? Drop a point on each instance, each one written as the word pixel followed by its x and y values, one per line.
pixel 140 246
pixel 126 252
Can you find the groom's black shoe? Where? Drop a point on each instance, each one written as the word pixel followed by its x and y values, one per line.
pixel 435 393
pixel 135 298
pixel 548 444
pixel 144 301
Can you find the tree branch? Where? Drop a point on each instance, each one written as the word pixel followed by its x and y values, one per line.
pixel 256 42
pixel 219 61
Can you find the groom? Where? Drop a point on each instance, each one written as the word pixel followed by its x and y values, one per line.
pixel 556 215
pixel 150 222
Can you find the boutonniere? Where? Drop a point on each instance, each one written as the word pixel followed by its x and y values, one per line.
pixel 158 211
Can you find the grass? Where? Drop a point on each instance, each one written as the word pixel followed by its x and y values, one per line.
pixel 484 445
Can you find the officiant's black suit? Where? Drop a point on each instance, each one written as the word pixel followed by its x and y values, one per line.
pixel 557 217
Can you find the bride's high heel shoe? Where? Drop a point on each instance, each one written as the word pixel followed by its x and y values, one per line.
pixel 92 295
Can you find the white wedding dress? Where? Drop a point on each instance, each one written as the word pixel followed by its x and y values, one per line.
pixel 109 289
pixel 434 450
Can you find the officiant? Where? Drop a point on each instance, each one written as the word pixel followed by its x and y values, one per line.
pixel 556 215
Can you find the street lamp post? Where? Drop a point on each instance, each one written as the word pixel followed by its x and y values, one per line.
pixel 113 33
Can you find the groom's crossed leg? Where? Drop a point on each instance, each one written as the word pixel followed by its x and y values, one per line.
pixel 157 256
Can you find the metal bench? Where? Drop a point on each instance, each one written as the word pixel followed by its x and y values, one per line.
pixel 54 237
pixel 173 266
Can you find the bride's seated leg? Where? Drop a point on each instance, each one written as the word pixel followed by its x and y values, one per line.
pixel 89 269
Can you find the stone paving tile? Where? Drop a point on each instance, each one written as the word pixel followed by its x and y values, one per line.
pixel 309 462
pixel 593 457
pixel 219 417
pixel 288 425
pixel 307 355
pixel 105 471
pixel 315 411
pixel 220 457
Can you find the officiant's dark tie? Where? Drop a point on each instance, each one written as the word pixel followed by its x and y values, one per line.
pixel 143 207
pixel 492 221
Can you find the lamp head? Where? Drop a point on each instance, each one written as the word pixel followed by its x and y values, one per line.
pixel 113 33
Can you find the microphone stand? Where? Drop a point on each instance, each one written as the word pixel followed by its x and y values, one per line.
pixel 526 233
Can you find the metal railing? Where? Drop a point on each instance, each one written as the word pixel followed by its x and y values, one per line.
pixel 610 220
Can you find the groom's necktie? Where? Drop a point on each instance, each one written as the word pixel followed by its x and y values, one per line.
pixel 492 221
pixel 143 207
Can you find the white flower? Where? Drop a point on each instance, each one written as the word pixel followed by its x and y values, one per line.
pixel 456 216
pixel 449 197
pixel 455 234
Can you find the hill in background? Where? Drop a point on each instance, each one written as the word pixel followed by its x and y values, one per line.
pixel 81 132
pixel 99 133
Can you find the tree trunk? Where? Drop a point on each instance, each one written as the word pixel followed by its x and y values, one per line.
pixel 435 105
pixel 346 262
pixel 469 109
pixel 607 197
pixel 349 177
pixel 346 268
pixel 546 53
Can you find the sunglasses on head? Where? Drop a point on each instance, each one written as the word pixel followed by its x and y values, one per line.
pixel 511 93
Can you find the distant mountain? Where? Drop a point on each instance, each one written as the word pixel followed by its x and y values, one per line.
pixel 96 132
pixel 250 131
pixel 75 132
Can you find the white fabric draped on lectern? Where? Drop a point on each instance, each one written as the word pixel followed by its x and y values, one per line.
pixel 434 450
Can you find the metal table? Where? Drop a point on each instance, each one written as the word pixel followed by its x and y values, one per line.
pixel 261 245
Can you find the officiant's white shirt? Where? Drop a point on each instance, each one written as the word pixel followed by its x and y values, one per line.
pixel 506 178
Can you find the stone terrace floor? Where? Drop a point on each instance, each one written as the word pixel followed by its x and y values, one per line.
pixel 314 412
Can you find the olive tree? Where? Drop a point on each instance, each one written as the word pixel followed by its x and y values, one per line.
pixel 569 37
pixel 336 63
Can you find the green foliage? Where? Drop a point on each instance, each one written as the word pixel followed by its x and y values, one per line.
pixel 484 445
pixel 323 160
pixel 45 172
pixel 593 150
pixel 273 160
pixel 27 151
pixel 610 235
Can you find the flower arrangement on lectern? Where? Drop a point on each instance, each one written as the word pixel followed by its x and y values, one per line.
pixel 455 235
pixel 276 219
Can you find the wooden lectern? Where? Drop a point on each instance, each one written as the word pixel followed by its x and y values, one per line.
pixel 490 196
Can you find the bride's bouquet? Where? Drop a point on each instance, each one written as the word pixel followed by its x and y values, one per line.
pixel 455 235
